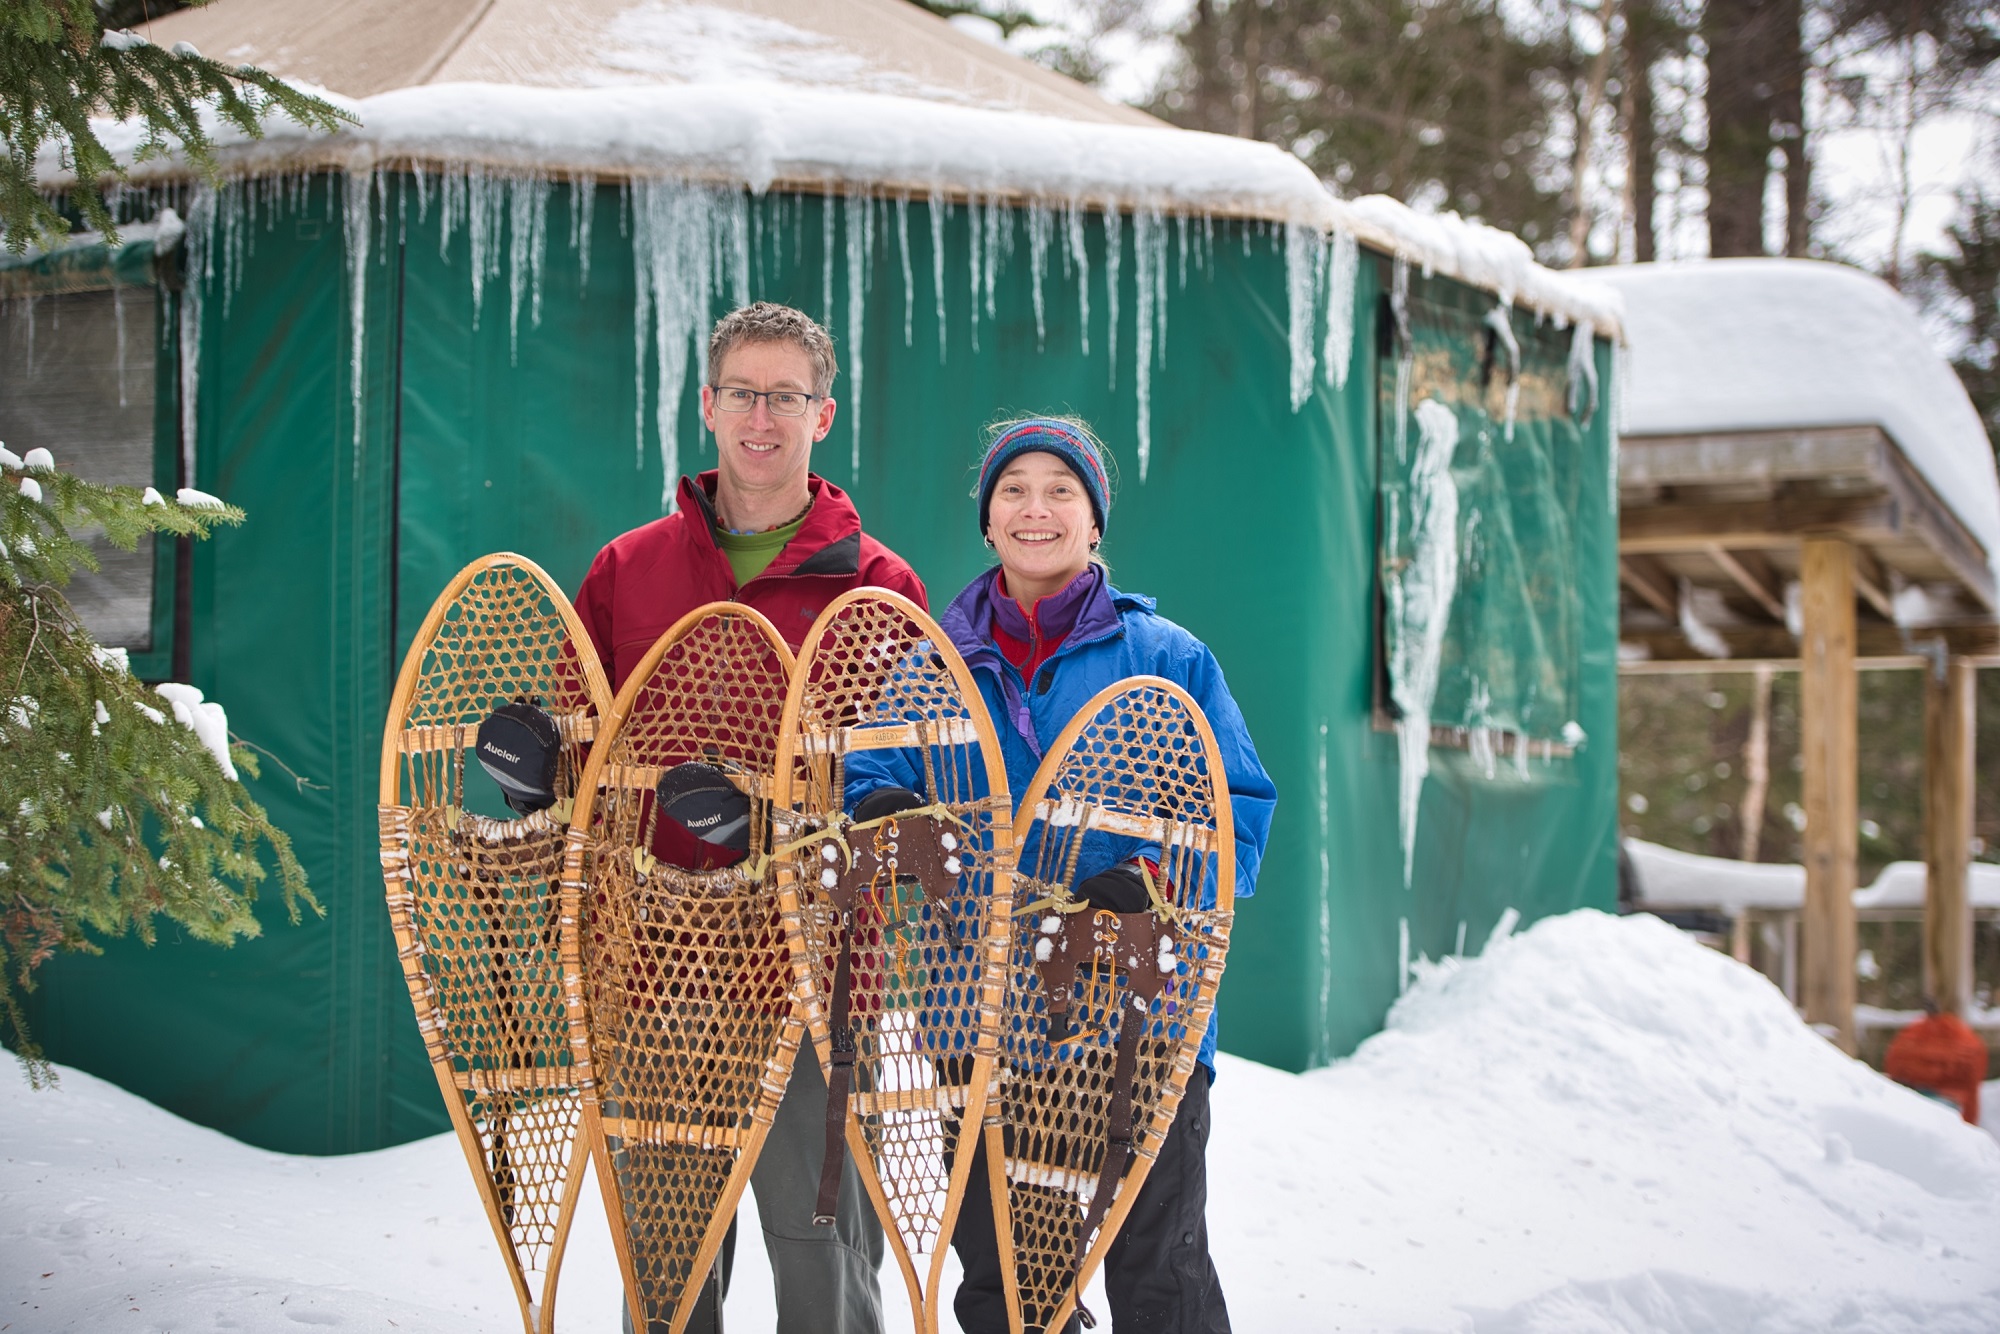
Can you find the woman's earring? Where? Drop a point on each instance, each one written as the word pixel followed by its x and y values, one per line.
pixel 989 542
pixel 1093 546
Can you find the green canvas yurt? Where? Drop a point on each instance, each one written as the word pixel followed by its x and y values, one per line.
pixel 1367 456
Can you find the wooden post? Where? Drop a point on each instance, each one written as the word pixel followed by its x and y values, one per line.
pixel 1948 766
pixel 1828 725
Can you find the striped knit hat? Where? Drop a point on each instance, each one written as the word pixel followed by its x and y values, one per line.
pixel 1062 439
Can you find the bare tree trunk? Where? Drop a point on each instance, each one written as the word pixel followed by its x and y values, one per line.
pixel 1756 765
pixel 1586 117
pixel 1641 49
pixel 1213 99
pixel 1249 97
pixel 1737 33
pixel 1788 110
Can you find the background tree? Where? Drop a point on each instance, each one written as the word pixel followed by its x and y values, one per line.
pixel 59 66
pixel 1961 286
pixel 117 810
pixel 1446 103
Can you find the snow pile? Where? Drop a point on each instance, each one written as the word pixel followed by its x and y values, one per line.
pixel 1768 344
pixel 1598 1125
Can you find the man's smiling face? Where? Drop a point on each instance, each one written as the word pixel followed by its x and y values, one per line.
pixel 758 451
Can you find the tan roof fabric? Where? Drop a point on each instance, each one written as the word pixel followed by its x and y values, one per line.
pixel 364 47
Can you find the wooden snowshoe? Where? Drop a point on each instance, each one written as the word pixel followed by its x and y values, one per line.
pixel 1105 1011
pixel 473 898
pixel 898 927
pixel 682 1020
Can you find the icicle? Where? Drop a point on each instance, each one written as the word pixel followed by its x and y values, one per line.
pixel 1403 951
pixel 485 203
pixel 1078 255
pixel 673 227
pixel 975 224
pixel 1114 256
pixel 1149 255
pixel 1500 320
pixel 999 242
pixel 1479 733
pixel 903 252
pixel 826 259
pixel 1583 374
pixel 200 276
pixel 355 188
pixel 527 241
pixel 1420 597
pixel 734 266
pixel 1181 244
pixel 860 264
pixel 118 318
pixel 1343 268
pixel 582 213
pixel 1406 352
pixel 937 207
pixel 1041 225
pixel 1305 263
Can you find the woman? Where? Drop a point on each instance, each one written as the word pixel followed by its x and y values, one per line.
pixel 1044 631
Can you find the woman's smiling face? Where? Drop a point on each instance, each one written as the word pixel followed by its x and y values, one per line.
pixel 1040 522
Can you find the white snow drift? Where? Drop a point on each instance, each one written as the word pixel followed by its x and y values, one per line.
pixel 1596 1126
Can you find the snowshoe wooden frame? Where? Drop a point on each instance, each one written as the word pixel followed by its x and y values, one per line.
pixel 459 884
pixel 877 673
pixel 1140 760
pixel 682 1022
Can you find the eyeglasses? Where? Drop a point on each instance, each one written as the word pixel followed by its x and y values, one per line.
pixel 782 402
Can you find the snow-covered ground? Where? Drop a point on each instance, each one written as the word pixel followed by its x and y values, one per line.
pixel 1596 1126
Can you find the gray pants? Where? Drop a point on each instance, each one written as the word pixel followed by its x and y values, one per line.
pixel 827 1278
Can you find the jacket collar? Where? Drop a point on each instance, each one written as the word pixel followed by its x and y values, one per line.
pixel 828 541
pixel 1052 616
pixel 968 621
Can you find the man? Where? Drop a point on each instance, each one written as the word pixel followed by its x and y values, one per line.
pixel 762 530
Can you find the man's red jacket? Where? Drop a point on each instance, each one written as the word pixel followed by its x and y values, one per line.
pixel 647 579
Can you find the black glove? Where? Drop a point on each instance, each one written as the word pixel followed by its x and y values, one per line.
pixel 886 801
pixel 704 819
pixel 518 746
pixel 1120 889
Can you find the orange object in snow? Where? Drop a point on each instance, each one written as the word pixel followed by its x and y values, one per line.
pixel 1941 1054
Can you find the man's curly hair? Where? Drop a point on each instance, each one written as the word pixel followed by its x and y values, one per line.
pixel 769 322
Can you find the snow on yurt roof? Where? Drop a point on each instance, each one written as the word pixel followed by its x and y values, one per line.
pixel 1771 344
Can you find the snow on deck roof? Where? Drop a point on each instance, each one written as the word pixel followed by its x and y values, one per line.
pixel 1670 879
pixel 1769 344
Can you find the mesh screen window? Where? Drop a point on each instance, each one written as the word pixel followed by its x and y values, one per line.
pixel 76 378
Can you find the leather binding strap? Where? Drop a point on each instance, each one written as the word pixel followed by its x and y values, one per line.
pixel 839 1080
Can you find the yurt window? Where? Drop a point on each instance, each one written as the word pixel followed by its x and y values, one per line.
pixel 1481 468
pixel 78 376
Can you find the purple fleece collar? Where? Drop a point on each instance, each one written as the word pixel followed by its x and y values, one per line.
pixel 1055 615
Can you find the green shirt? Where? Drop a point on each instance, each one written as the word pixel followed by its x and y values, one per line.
pixel 750 554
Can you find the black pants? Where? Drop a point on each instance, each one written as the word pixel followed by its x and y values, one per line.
pixel 1158 1274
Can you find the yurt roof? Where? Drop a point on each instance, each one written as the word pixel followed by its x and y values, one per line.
pixel 1744 345
pixel 363 47
pixel 809 94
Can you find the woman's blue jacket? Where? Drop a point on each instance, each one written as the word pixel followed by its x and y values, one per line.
pixel 1116 635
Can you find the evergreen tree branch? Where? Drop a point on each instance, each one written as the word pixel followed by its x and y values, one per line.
pixel 58 68
pixel 114 814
